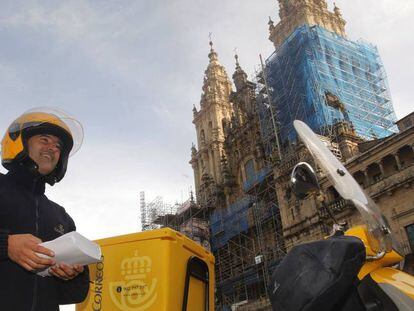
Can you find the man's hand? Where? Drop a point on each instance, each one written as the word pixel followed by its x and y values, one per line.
pixel 66 272
pixel 23 248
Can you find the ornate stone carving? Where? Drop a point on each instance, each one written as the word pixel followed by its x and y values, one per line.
pixel 295 13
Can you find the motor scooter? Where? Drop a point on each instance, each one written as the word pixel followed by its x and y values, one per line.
pixel 352 269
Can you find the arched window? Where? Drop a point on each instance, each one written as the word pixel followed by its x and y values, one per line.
pixel 406 155
pixel 360 178
pixel 389 164
pixel 374 173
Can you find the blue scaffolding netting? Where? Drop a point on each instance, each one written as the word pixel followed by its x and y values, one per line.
pixel 254 178
pixel 229 222
pixel 313 62
pixel 237 218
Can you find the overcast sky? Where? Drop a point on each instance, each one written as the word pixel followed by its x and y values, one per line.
pixel 131 71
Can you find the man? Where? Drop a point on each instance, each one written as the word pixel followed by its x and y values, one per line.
pixel 35 151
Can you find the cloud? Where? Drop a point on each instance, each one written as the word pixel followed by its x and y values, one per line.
pixel 101 189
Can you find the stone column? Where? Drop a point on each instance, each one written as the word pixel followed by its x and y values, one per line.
pixel 212 164
pixel 397 159
pixel 367 183
pixel 381 166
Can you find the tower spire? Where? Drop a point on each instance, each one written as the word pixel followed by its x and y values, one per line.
pixel 212 55
pixel 215 108
pixel 337 11
pixel 236 57
pixel 271 24
pixel 210 42
pixel 239 76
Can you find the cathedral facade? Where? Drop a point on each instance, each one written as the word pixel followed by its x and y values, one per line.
pixel 242 162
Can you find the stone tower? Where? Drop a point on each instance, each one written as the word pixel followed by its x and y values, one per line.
pixel 295 13
pixel 320 77
pixel 215 110
pixel 243 148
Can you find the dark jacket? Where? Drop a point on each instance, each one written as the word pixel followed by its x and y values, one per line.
pixel 24 208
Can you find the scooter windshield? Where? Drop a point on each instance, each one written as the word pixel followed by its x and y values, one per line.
pixel 348 188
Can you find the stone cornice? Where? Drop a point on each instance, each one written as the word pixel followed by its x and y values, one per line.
pixel 380 147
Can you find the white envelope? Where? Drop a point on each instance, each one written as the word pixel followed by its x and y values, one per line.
pixel 73 249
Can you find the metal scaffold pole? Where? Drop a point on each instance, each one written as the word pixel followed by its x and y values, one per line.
pixel 275 129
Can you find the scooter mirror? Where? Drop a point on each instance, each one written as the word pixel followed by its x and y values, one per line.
pixel 304 181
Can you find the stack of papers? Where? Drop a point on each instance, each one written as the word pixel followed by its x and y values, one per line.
pixel 73 249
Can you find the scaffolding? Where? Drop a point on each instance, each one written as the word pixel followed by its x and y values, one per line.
pixel 247 242
pixel 187 218
pixel 143 211
pixel 152 211
pixel 314 63
pixel 246 234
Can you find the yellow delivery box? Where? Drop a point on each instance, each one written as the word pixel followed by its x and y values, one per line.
pixel 153 271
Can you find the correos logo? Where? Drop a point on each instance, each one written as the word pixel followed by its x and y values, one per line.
pixel 136 292
pixel 98 286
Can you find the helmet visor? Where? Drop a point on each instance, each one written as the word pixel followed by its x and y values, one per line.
pixel 39 116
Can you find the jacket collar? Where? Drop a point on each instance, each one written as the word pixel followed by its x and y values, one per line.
pixel 31 181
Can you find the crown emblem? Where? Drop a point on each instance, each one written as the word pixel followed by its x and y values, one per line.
pixel 137 290
pixel 136 267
